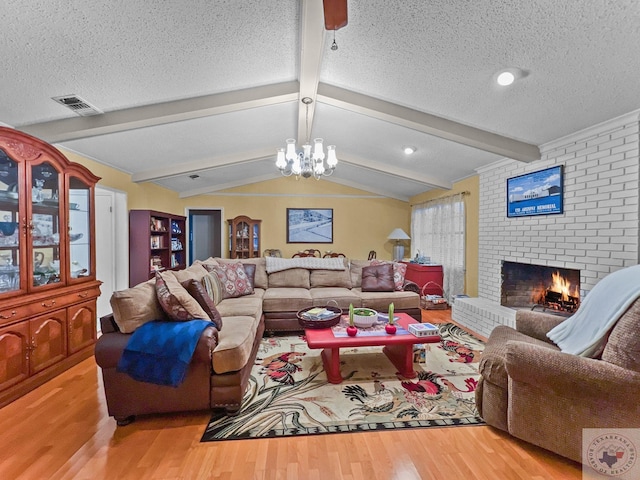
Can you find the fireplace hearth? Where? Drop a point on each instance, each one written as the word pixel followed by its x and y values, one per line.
pixel 540 286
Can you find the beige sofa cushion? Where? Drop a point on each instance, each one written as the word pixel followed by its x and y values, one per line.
pixel 380 300
pixel 623 346
pixel 343 296
pixel 193 272
pixel 293 277
pixel 247 305
pixel 235 343
pixel 209 261
pixel 136 306
pixel 356 267
pixel 330 278
pixel 286 299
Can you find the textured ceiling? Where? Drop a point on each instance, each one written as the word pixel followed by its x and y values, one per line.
pixel 213 87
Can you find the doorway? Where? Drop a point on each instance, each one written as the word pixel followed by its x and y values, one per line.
pixel 112 245
pixel 205 234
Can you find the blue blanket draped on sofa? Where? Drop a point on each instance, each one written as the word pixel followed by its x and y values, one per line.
pixel 160 352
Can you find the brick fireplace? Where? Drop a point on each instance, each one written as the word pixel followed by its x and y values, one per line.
pixel 526 285
pixel 597 233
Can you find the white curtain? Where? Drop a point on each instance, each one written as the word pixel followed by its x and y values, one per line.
pixel 438 232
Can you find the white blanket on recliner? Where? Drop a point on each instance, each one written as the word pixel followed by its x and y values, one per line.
pixel 585 331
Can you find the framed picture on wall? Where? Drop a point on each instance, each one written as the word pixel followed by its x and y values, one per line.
pixel 309 225
pixel 536 193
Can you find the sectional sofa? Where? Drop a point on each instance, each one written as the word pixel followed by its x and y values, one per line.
pixel 219 371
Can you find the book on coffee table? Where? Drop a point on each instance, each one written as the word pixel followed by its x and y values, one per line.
pixel 318 313
pixel 424 330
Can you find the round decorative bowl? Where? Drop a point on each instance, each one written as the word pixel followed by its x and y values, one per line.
pixel 364 317
pixel 330 316
pixel 8 228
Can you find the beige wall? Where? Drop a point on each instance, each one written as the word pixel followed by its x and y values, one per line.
pixel 139 195
pixel 472 204
pixel 361 220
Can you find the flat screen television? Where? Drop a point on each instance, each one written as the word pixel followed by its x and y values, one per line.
pixel 536 193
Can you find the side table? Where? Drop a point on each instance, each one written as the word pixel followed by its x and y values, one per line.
pixel 422 274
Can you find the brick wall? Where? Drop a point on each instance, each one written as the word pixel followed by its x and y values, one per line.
pixel 598 232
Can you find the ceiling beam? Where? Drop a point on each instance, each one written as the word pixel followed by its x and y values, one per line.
pixel 57 131
pixel 311 50
pixel 389 169
pixel 427 123
pixel 201 165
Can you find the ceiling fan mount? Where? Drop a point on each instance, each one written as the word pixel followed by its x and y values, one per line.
pixel 335 14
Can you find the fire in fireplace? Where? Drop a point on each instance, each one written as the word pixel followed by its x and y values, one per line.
pixel 527 285
pixel 560 295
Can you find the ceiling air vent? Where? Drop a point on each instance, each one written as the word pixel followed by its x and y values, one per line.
pixel 78 105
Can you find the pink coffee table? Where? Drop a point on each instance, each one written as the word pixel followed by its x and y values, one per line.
pixel 397 348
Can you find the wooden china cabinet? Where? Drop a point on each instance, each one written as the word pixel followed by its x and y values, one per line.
pixel 244 237
pixel 48 286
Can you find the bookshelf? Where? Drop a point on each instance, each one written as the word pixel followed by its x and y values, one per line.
pixel 157 241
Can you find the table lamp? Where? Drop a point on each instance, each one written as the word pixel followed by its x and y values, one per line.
pixel 398 249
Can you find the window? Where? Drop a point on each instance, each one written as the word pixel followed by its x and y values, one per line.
pixel 438 232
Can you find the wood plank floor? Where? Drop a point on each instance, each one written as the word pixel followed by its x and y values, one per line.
pixel 62 431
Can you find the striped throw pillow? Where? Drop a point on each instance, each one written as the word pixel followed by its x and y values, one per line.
pixel 214 287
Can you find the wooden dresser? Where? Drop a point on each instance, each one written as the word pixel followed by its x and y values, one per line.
pixel 48 286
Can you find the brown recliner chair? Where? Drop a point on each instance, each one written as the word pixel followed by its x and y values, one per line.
pixel 543 396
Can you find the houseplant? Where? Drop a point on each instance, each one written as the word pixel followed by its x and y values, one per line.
pixel 351 329
pixel 390 327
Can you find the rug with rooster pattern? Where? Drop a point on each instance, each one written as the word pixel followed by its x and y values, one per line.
pixel 288 392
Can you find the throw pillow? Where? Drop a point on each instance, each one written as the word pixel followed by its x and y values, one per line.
pixel 399 272
pixel 250 270
pixel 175 300
pixel 198 292
pixel 136 306
pixel 378 278
pixel 213 286
pixel 234 280
pixel 260 279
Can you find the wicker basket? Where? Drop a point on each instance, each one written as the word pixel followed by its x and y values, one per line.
pixel 322 323
pixel 428 304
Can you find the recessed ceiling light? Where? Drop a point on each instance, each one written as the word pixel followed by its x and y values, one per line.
pixel 409 150
pixel 507 76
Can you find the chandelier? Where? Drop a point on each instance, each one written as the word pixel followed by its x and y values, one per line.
pixel 306 163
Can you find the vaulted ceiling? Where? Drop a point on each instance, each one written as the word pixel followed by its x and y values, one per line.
pixel 213 88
